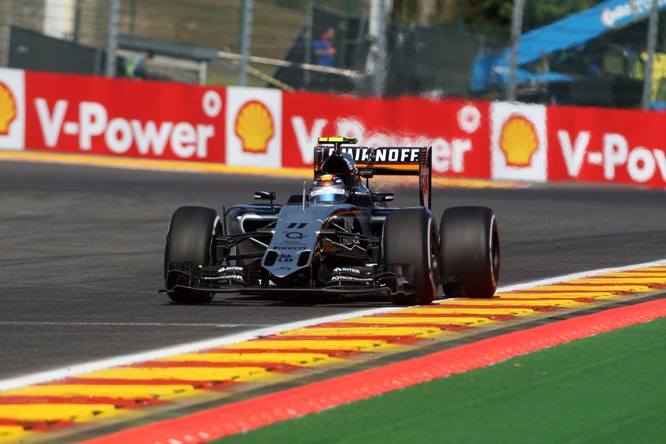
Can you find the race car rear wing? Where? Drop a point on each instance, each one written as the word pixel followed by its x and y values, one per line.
pixel 396 161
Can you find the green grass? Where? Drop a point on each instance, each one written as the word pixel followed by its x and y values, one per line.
pixel 602 389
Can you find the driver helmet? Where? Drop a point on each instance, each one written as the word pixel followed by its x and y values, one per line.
pixel 329 189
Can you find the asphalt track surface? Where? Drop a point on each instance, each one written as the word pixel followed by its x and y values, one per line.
pixel 81 252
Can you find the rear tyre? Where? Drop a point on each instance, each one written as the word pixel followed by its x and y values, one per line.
pixel 469 252
pixel 410 237
pixel 189 239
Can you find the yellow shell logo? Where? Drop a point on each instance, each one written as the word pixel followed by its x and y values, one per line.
pixel 7 109
pixel 254 126
pixel 518 141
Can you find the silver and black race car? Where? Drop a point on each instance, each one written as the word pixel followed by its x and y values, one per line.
pixel 337 238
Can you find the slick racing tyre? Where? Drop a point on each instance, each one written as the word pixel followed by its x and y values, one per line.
pixel 469 252
pixel 410 237
pixel 189 239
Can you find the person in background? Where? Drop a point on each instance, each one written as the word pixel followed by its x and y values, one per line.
pixel 323 49
pixel 135 67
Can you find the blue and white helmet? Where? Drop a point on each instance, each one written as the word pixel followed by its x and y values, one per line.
pixel 329 189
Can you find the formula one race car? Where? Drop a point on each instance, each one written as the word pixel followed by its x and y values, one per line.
pixel 339 238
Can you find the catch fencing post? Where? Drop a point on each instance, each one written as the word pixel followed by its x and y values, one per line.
pixel 516 29
pixel 653 29
pixel 246 36
pixel 112 38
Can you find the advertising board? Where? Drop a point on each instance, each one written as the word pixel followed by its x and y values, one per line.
pixel 457 130
pixel 268 128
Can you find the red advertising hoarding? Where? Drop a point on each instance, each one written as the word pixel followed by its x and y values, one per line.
pixel 268 128
pixel 457 130
pixel 124 117
pixel 607 145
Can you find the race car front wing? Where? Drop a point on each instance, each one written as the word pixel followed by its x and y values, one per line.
pixel 378 280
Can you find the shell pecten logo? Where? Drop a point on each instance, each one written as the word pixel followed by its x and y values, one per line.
pixel 7 109
pixel 518 141
pixel 254 126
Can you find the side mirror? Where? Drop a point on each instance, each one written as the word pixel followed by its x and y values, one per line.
pixel 265 195
pixel 366 173
pixel 383 197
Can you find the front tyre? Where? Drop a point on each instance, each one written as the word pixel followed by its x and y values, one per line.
pixel 190 239
pixel 469 252
pixel 410 237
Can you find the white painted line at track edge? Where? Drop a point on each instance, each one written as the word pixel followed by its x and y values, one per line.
pixel 581 275
pixel 69 371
